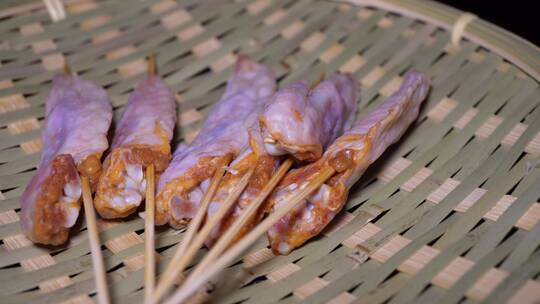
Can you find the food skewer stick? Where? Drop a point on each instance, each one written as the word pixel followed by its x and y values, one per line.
pixel 149 243
pixel 317 81
pixel 95 247
pixel 67 68
pixel 177 268
pixel 170 275
pixel 226 239
pixel 55 9
pixel 151 65
pixel 194 282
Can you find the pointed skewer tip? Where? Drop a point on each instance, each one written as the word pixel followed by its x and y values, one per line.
pixel 67 67
pixel 316 83
pixel 152 64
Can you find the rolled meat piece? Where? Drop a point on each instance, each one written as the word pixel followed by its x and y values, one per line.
pixel 349 156
pixel 264 165
pixel 142 137
pixel 78 116
pixel 224 135
pixel 303 122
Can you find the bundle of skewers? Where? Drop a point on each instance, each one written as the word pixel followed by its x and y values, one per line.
pixel 279 162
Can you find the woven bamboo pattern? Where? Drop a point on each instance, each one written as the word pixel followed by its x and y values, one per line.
pixel 449 214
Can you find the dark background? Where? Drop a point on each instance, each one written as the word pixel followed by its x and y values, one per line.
pixel 517 16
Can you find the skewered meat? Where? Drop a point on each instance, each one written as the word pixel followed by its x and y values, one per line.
pixel 78 116
pixel 224 135
pixel 349 155
pixel 142 137
pixel 303 122
pixel 264 166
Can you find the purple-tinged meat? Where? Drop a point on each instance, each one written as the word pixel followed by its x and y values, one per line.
pixel 296 120
pixel 78 116
pixel 142 137
pixel 303 122
pixel 223 135
pixel 349 156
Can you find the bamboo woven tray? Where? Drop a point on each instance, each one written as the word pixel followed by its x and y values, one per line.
pixel 449 214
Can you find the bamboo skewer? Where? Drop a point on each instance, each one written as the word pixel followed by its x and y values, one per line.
pixel 151 67
pixel 149 219
pixel 149 243
pixel 316 82
pixel 169 275
pixel 193 283
pixel 225 240
pixel 67 67
pixel 177 268
pixel 56 9
pixel 95 247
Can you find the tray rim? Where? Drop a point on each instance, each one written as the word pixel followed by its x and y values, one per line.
pixel 484 33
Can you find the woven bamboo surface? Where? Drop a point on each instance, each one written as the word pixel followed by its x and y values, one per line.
pixel 449 214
